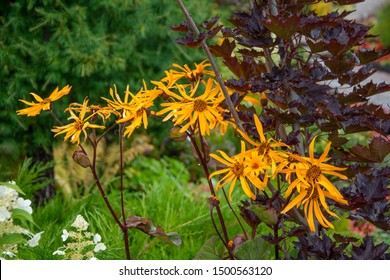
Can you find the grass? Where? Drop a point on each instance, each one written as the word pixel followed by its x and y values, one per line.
pixel 164 194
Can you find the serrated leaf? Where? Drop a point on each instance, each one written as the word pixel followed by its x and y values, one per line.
pixel 369 251
pixel 182 27
pixel 254 249
pixel 190 40
pixel 375 152
pixel 211 33
pixel 21 215
pixel 12 186
pixel 210 251
pixel 370 55
pixel 283 27
pixel 209 24
pixel 223 50
pixel 14 238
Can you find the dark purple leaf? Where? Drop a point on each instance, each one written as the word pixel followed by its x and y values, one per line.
pixel 190 40
pixel 182 27
pixel 283 27
pixel 211 33
pixel 369 251
pixel 209 24
pixel 223 50
pixel 370 55
pixel 375 152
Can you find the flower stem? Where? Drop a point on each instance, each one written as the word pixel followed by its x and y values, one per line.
pixel 212 191
pixel 124 228
pixel 214 66
pixel 107 202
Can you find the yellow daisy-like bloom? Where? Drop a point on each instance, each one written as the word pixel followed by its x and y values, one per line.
pixel 80 125
pixel 192 75
pixel 44 103
pixel 291 161
pixel 199 112
pixel 312 198
pixel 265 147
pixel 312 171
pixel 134 111
pixel 236 169
pixel 104 112
pixel 313 187
pixel 257 166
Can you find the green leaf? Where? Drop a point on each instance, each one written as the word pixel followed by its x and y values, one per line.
pixel 254 249
pixel 21 215
pixel 146 225
pixel 14 238
pixel 268 216
pixel 13 186
pixel 210 251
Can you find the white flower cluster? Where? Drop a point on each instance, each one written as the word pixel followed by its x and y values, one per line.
pixel 9 202
pixel 80 243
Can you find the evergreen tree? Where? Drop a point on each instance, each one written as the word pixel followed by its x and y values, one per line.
pixel 90 45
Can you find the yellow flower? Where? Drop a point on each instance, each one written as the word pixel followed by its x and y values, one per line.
pixel 236 169
pixel 312 198
pixel 192 75
pixel 312 171
pixel 265 147
pixel 80 124
pixel 43 103
pixel 103 112
pixel 199 112
pixel 256 166
pixel 134 111
pixel 312 186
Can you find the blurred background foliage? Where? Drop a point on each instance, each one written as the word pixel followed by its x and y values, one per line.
pixel 91 46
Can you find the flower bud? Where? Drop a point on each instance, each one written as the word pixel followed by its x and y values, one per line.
pixel 81 158
pixel 176 135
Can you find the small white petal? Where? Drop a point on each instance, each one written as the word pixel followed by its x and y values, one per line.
pixel 99 247
pixel 35 239
pixel 59 252
pixel 4 214
pixel 97 238
pixel 24 205
pixel 80 223
pixel 65 235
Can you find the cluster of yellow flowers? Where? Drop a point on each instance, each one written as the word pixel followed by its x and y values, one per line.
pixel 192 101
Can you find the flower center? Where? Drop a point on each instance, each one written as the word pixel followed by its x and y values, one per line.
pixel 140 112
pixel 79 125
pixel 46 101
pixel 313 193
pixel 313 173
pixel 291 159
pixel 255 165
pixel 200 105
pixel 263 148
pixel 238 169
pixel 95 108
